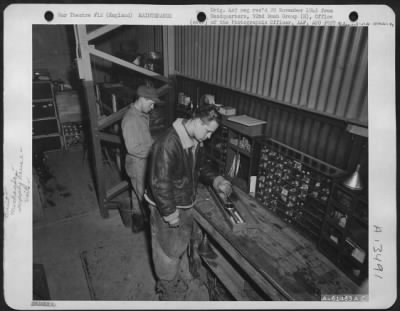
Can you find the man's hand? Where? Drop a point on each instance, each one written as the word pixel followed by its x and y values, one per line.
pixel 172 219
pixel 222 185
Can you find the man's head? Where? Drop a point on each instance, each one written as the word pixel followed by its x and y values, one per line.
pixel 206 120
pixel 147 97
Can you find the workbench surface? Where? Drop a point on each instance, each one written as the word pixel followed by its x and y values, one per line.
pixel 283 263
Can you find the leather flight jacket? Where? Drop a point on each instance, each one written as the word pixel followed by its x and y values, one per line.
pixel 172 179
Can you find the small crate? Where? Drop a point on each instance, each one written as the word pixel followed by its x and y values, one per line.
pixel 249 130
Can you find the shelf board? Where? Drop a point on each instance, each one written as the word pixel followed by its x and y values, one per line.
pixel 231 279
pixel 42 100
pixel 334 224
pixel 45 119
pixel 317 212
pixel 364 222
pixel 346 256
pixel 330 242
pixel 72 135
pixel 307 229
pixel 320 219
pixel 320 202
pixel 318 227
pixel 45 136
pixel 339 205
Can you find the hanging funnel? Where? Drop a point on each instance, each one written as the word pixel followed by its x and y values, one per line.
pixel 353 182
pixel 205 249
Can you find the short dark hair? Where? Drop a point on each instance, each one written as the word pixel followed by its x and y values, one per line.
pixel 207 113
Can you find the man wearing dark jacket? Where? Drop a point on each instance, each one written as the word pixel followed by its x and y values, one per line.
pixel 175 171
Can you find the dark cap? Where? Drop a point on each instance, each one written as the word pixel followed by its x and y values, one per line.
pixel 148 92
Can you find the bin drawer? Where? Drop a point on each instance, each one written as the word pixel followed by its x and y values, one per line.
pixel 45 127
pixel 46 143
pixel 42 110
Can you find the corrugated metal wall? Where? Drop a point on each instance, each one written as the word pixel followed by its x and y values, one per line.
pixel 319 136
pixel 149 38
pixel 323 69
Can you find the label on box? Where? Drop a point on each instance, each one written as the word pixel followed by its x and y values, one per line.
pixel 358 254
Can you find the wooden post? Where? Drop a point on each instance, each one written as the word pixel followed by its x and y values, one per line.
pixel 84 52
pixel 169 66
pixel 85 71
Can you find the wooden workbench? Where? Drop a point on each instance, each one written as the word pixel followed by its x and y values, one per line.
pixel 276 258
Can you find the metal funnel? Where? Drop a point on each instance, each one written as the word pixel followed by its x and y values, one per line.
pixel 354 182
pixel 205 248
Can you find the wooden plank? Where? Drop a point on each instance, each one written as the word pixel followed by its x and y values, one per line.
pixel 284 264
pixel 231 279
pixel 101 31
pixel 112 118
pixel 85 70
pixel 357 130
pixel 261 281
pixel 326 117
pixel 126 64
pixel 163 90
pixel 111 138
pixel 117 189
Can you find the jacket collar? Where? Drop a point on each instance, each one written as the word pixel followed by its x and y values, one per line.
pixel 135 111
pixel 186 141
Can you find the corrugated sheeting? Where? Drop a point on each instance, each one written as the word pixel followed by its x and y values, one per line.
pixel 149 38
pixel 135 39
pixel 323 69
pixel 320 137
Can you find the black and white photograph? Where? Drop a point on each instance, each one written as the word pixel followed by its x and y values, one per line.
pixel 204 162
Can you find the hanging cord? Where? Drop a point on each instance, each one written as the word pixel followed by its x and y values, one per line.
pixel 237 164
pixel 234 169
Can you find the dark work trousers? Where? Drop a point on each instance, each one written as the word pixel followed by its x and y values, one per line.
pixel 169 245
pixel 136 170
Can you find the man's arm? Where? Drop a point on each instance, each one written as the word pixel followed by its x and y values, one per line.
pixel 209 177
pixel 134 139
pixel 163 161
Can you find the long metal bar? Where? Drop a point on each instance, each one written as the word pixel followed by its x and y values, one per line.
pixel 90 96
pixel 101 31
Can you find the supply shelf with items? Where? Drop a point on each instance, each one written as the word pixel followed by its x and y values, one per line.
pixel 216 149
pixel 46 131
pixel 347 216
pixel 294 185
pixel 242 152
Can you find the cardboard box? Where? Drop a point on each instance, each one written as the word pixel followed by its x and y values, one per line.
pixel 227 111
pixel 248 130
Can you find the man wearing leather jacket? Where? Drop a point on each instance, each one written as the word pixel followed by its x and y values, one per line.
pixel 174 172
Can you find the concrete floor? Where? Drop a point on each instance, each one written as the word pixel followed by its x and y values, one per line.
pixel 72 226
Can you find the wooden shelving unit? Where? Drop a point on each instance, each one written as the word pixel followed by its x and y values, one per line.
pixel 242 155
pixel 344 236
pixel 295 186
pixel 216 149
pixel 46 131
pixel 98 126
